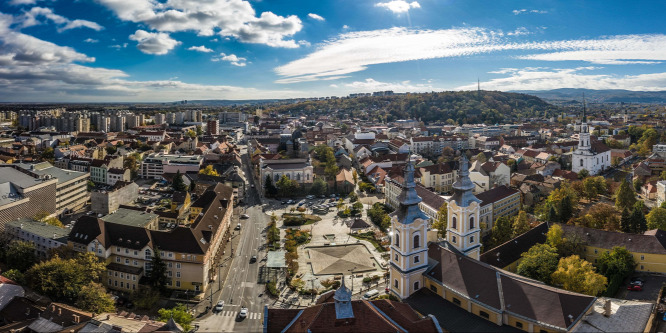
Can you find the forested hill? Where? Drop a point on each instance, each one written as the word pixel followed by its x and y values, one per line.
pixel 457 107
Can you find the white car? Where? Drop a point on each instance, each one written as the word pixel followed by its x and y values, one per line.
pixel 245 216
pixel 243 312
pixel 219 306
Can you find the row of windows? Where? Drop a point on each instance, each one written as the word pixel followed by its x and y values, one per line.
pixel 454 223
pixel 416 243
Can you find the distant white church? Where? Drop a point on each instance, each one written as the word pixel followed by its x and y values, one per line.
pixel 594 157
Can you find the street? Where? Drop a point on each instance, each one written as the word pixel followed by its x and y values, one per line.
pixel 240 288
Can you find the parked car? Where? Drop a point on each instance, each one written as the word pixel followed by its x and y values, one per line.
pixel 238 226
pixel 291 201
pixel 219 306
pixel 284 202
pixel 637 279
pixel 245 216
pixel 635 287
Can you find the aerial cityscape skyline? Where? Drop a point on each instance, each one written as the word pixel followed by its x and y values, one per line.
pixel 149 51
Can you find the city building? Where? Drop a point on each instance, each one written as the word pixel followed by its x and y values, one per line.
pixel 189 252
pixel 44 236
pixel 497 202
pixel 298 169
pixel 24 194
pixel 487 175
pixel 107 201
pixel 439 177
pixel 71 186
pixel 155 165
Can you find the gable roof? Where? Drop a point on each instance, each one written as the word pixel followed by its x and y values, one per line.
pixel 509 252
pixel 496 194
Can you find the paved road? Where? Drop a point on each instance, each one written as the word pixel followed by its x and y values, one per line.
pixel 241 288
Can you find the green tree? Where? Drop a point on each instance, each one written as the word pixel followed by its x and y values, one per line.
pixel 145 297
pixel 94 298
pixel 355 176
pixel 318 187
pixel 656 219
pixel 637 219
pixel 54 221
pixel 48 154
pixel 199 130
pixel 271 190
pixel 179 314
pixel 353 197
pixel 441 223
pixel 625 221
pixel 618 261
pixel 481 157
pixel 157 278
pixel 501 231
pixel 625 197
pixel 209 170
pixel 287 187
pixel 20 255
pixel 638 183
pixel 538 263
pixel 15 275
pixel 90 266
pixel 583 173
pixel 191 134
pixel 63 279
pixel 178 184
pixel 520 225
pixel 577 275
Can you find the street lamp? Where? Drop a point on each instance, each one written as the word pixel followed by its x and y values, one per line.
pixel 352 279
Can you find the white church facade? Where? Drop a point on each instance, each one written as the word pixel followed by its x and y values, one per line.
pixel 593 156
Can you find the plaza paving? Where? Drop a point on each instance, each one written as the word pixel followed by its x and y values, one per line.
pixel 341 259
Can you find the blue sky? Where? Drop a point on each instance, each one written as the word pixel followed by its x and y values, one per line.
pixel 169 50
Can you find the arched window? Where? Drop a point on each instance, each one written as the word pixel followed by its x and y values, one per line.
pixel 454 223
pixel 471 222
pixel 395 283
pixel 288 176
pixel 298 176
pixel 277 178
pixel 417 241
pixel 397 240
pixel 416 285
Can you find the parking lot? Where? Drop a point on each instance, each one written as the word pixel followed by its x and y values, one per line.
pixel 650 291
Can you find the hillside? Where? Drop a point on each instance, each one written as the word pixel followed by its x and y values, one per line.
pixel 568 95
pixel 457 107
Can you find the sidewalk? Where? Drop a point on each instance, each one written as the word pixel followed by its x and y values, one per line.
pixel 224 271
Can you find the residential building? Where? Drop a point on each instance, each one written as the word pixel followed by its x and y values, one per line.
pixel 439 177
pixel 189 252
pixel 661 192
pixel 430 203
pixel 99 168
pixel 488 175
pixel 107 201
pixel 155 165
pixel 44 236
pixel 24 193
pixel 497 202
pixel 71 186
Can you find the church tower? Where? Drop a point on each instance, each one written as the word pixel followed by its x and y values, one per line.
pixel 409 251
pixel 463 230
pixel 584 135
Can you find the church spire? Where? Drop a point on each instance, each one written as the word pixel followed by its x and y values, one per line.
pixel 408 199
pixel 343 306
pixel 584 110
pixel 463 186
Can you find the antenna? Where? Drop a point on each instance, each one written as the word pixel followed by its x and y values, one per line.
pixel 478 87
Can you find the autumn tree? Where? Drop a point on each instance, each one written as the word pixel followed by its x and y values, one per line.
pixel 481 158
pixel 209 170
pixel 20 255
pixel 501 231
pixel 603 216
pixel 286 187
pixel 577 275
pixel 94 298
pixel 625 197
pixel 179 314
pixel 63 279
pixel 441 222
pixel 520 225
pixel 538 263
pixel 619 261
pixel 555 236
pixel 656 219
pixel 355 176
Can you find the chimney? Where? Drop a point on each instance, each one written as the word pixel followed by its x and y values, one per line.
pixel 607 307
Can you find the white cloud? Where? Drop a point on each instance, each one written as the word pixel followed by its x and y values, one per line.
pixel 119 46
pixel 316 17
pixel 371 85
pixel 200 49
pixel 91 40
pixel 153 42
pixel 232 59
pixel 227 18
pixel 39 71
pixel 398 6
pixel 355 51
pixel 520 31
pixel 546 79
pixel 345 27
pixel 32 18
pixel 23 2
pixel 532 11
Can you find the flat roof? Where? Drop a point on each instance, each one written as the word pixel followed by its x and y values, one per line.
pixel 18 178
pixel 45 168
pixel 130 217
pixel 41 229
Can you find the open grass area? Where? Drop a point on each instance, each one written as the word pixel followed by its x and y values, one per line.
pixel 370 238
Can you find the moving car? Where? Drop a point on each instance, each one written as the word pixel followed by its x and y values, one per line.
pixel 219 306
pixel 238 226
pixel 635 287
pixel 253 259
pixel 243 312
pixel 245 216
pixel 371 294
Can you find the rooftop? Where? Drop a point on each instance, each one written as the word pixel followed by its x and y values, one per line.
pixel 41 229
pixel 45 168
pixel 130 217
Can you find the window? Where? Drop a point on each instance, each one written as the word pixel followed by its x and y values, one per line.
pixel 396 258
pixel 642 257
pixel 433 288
pixel 117 259
pixel 122 285
pixel 642 268
pixel 471 222
pixel 136 263
pixel 519 324
pixel 178 284
pixel 595 251
pixel 453 239
pixel 397 239
pixel 149 254
pixel 126 261
pixel 471 239
pixel 456 301
pixel 109 281
pixel 177 265
pixel 126 251
pixel 454 223
pixel 416 259
pixel 484 314
pixel 581 162
pixel 178 274
pixel 416 285
pixel 118 249
pixel 395 283
pixel 417 242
